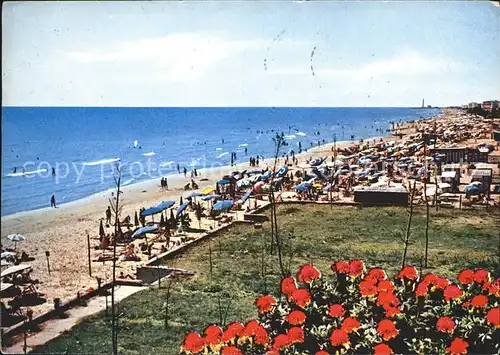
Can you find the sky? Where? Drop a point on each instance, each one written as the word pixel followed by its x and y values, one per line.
pixel 250 53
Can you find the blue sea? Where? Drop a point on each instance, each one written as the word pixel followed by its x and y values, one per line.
pixel 83 144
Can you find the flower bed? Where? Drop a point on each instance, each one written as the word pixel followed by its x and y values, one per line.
pixel 365 312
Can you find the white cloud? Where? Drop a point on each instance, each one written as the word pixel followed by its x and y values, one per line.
pixel 172 58
pixel 408 63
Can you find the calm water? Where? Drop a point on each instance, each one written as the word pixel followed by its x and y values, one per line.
pixel 83 143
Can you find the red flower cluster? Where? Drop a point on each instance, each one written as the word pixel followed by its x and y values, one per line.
pixel 308 273
pixel 387 329
pixel 445 325
pixel 265 303
pixel 360 301
pixel 354 268
pixel 409 273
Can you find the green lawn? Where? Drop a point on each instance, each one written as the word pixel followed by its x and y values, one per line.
pixel 316 234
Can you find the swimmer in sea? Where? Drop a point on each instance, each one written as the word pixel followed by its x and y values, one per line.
pixel 15 169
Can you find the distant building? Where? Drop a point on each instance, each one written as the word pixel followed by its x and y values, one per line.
pixel 490 105
pixel 474 105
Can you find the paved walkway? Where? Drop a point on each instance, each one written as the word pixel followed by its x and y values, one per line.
pixel 54 327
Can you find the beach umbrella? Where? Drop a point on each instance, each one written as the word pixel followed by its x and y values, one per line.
pixel 473 190
pixel 244 183
pixel 316 161
pixel 144 230
pixel 210 197
pixel 151 211
pixel 182 208
pixel 6 254
pixel 101 230
pixel 194 194
pixel 208 191
pixel 136 219
pixel 16 238
pixel 223 182
pixel 246 196
pixel 254 171
pixel 223 205
pixel 282 171
pixel 402 166
pixel 165 204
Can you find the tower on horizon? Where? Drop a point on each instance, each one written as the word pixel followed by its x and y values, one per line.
pixel 423 103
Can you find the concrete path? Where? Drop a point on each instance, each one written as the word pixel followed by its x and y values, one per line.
pixel 54 327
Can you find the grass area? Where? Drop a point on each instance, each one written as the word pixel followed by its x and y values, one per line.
pixel 317 234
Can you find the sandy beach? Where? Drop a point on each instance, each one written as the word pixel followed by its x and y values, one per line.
pixel 63 230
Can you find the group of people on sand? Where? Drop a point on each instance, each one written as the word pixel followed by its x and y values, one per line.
pixel 164 183
pixel 254 161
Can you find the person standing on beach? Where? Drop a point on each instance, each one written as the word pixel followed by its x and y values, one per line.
pixel 166 183
pixel 246 150
pixel 178 169
pixel 185 171
pixel 108 215
pixel 53 201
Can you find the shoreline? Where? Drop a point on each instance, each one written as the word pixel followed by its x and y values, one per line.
pixel 147 183
pixel 63 230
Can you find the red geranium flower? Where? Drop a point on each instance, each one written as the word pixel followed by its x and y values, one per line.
pixel 281 341
pixel 493 317
pixel 391 311
pixel 336 310
pixel 387 329
pixel 213 336
pixel 295 335
pixel 382 349
pixel 265 303
pixel 288 285
pixel 387 299
pixel 429 278
pixel 322 352
pixel 296 317
pixel 408 272
pixel 231 350
pixel 307 273
pixel 341 267
pixel 356 268
pixel 457 346
pixel 255 329
pixel 350 325
pixel 339 337
pixel 445 325
pixel 301 297
pixel 482 276
pixel 480 301
pixel 385 286
pixel 466 276
pixel 232 331
pixel 422 289
pixel 377 273
pixel 452 292
pixel 441 283
pixel 367 288
pixel 493 288
pixel 194 343
pixel 466 305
